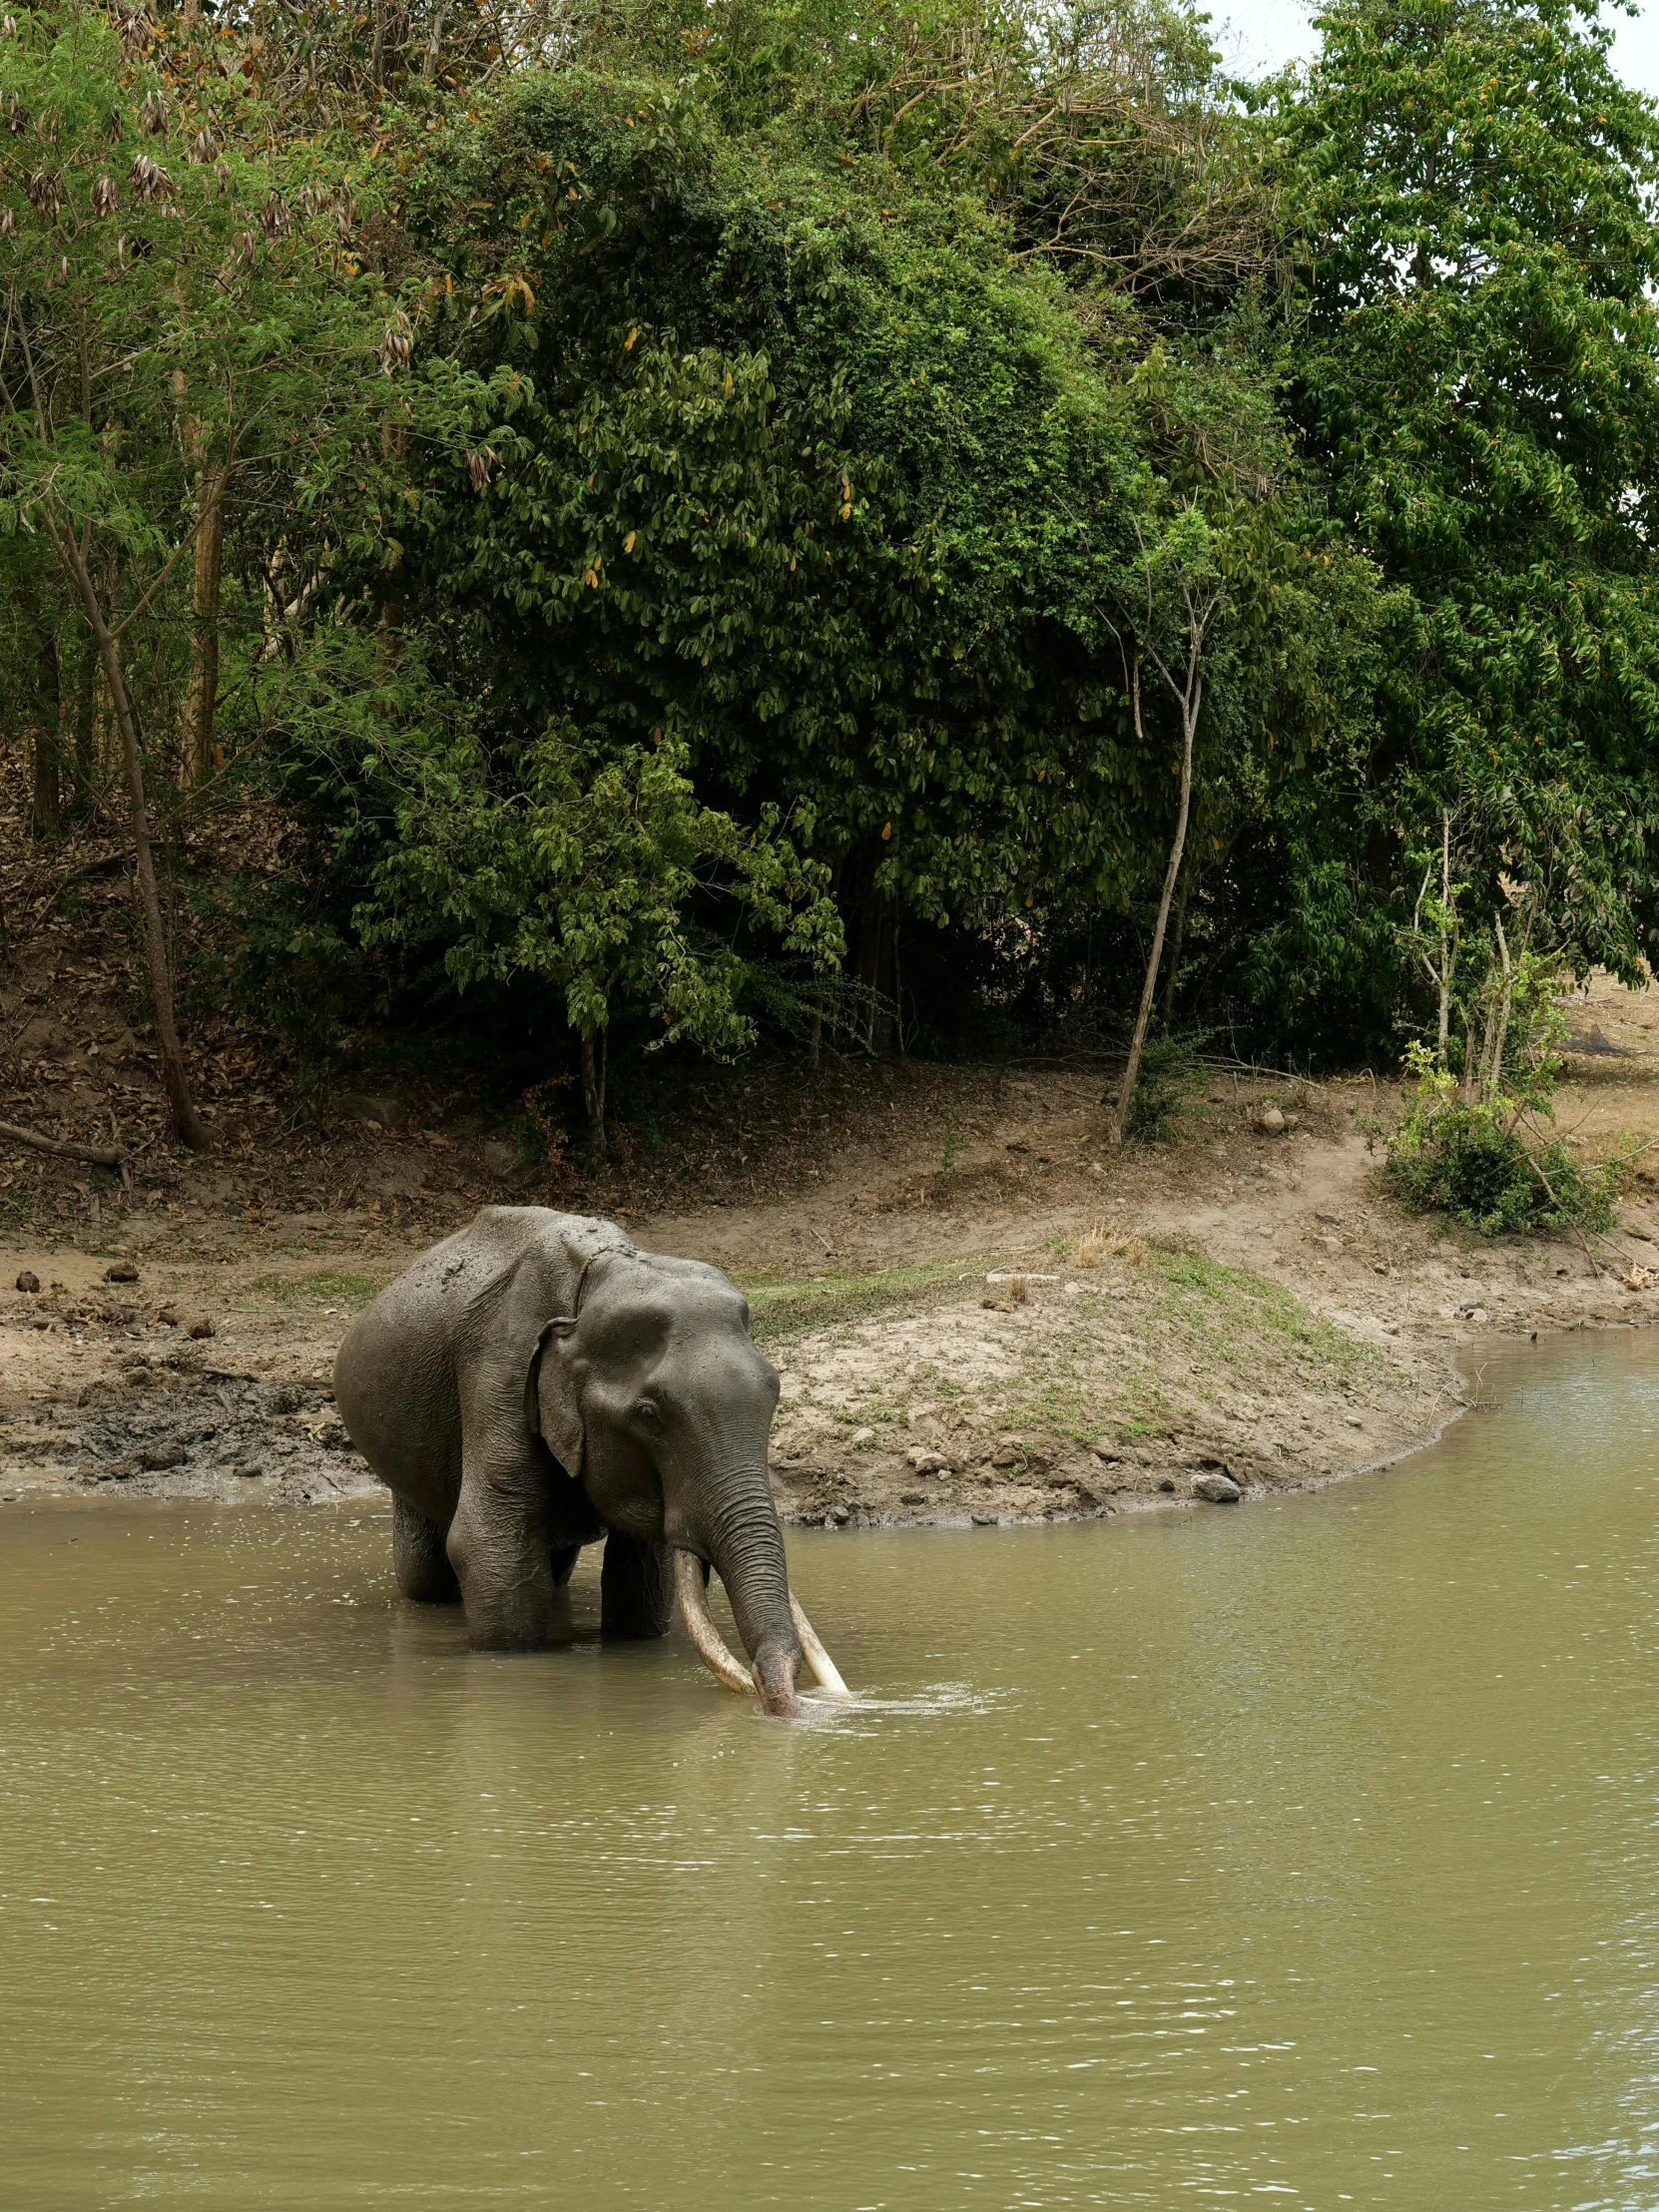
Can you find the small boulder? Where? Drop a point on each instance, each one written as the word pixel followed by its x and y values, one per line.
pixel 927 1461
pixel 1270 1122
pixel 201 1327
pixel 28 1282
pixel 156 1459
pixel 383 1112
pixel 1217 1489
pixel 500 1157
pixel 1166 1483
pixel 123 1271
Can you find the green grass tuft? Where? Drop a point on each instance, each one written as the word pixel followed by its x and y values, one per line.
pixel 326 1289
pixel 782 1311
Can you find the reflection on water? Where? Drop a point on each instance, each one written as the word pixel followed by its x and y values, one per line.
pixel 1307 1853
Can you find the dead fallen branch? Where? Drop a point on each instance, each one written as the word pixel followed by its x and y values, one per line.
pixel 100 1154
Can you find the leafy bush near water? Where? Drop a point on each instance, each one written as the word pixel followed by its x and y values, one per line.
pixel 1473 1162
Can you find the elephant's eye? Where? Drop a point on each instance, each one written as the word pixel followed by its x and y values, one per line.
pixel 647 1410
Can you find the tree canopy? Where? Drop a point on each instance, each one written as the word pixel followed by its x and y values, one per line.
pixel 845 522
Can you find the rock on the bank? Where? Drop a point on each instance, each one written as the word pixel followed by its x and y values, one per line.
pixel 1217 1489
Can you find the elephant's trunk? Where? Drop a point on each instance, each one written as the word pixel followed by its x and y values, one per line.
pixel 749 1557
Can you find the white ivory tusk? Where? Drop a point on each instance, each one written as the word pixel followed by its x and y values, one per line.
pixel 827 1673
pixel 689 1574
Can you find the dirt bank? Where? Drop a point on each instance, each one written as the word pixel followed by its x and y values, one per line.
pixel 979 1311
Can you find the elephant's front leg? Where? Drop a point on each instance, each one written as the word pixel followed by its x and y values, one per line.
pixel 498 1546
pixel 636 1588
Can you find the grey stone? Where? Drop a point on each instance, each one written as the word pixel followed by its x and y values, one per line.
pixel 391 1113
pixel 1217 1489
pixel 28 1282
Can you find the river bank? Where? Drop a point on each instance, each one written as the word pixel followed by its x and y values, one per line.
pixel 980 1312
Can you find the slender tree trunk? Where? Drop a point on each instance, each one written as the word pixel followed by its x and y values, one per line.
pixel 593 1092
pixel 85 725
pixel 1501 1018
pixel 1448 942
pixel 46 810
pixel 202 697
pixel 1191 700
pixel 187 1124
pixel 434 45
pixel 1174 943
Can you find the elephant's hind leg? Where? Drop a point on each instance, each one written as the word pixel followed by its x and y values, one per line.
pixel 418 1554
pixel 636 1588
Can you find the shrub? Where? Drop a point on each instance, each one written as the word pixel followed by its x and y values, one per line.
pixel 1168 1065
pixel 1473 1163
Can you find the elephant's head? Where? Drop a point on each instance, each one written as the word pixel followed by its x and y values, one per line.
pixel 654 1397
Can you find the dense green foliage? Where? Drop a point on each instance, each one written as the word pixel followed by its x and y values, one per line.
pixel 709 522
pixel 1474 1161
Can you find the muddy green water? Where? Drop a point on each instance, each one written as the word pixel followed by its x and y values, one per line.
pixel 1308 1853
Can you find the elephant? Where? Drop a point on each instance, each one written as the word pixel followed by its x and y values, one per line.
pixel 536 1383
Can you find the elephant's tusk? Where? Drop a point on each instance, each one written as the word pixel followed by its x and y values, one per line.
pixel 829 1675
pixel 689 1580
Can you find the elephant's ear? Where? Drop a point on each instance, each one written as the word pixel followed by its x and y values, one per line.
pixel 550 1406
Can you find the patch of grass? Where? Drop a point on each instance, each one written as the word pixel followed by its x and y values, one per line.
pixel 326 1289
pixel 1225 1307
pixel 781 1311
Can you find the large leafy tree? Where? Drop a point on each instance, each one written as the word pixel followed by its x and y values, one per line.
pixel 186 332
pixel 798 465
pixel 1476 371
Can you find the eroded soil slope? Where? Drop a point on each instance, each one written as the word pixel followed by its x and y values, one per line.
pixel 978 1308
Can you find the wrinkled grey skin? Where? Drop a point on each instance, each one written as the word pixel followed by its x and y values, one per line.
pixel 536 1383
